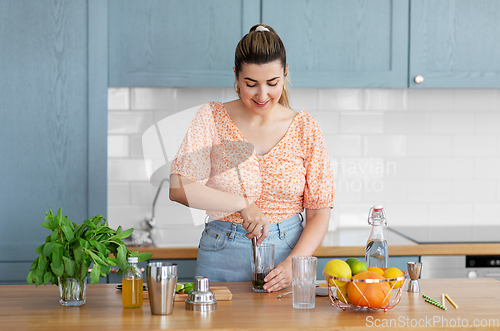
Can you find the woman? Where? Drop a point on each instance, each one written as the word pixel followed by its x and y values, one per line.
pixel 261 191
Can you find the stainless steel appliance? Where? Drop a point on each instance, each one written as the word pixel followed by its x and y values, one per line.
pixel 455 266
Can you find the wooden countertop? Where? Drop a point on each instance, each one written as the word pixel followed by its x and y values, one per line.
pixel 349 242
pixel 24 307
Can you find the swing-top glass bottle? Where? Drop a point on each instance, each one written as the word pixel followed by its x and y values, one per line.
pixel 377 251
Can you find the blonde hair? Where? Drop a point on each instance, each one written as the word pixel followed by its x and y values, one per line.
pixel 260 47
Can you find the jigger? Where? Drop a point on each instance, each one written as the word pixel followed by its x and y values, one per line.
pixel 414 270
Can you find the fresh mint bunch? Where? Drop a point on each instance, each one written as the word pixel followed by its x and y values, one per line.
pixel 70 248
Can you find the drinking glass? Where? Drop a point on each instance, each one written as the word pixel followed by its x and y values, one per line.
pixel 262 264
pixel 304 281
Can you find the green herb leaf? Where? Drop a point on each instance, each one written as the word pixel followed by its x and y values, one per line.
pixel 67 228
pixel 142 256
pixel 56 258
pixel 69 266
pixel 112 260
pixel 34 264
pixel 119 230
pixel 50 247
pixel 55 234
pixel 53 222
pixel 29 279
pixel 48 214
pixel 95 273
pixel 122 235
pixel 100 247
pixel 39 249
pixel 96 258
pixel 122 257
pixel 47 277
pixel 78 252
pixel 58 271
pixel 89 223
pixel 42 263
pixel 58 217
pixel 83 271
pixel 46 225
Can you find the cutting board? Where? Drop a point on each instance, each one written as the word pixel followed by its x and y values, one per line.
pixel 221 293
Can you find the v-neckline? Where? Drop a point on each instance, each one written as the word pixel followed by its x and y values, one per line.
pixel 242 136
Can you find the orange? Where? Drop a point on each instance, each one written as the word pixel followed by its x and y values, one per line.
pixel 372 295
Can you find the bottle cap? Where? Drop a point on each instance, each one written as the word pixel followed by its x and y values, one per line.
pixel 133 259
pixel 377 207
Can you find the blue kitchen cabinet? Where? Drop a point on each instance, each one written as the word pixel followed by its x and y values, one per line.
pixel 53 121
pixel 176 43
pixel 455 44
pixel 343 44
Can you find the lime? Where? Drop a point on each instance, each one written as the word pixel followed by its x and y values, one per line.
pixel 179 287
pixel 351 261
pixel 188 287
pixel 357 267
pixel 337 268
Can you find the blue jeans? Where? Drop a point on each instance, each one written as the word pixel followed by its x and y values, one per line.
pixel 225 254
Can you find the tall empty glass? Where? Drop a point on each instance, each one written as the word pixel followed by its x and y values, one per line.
pixel 304 281
pixel 161 279
pixel 262 264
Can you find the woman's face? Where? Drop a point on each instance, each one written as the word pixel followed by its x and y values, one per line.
pixel 261 85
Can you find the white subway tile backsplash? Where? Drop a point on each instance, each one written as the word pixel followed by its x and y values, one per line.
pixel 474 190
pixel 118 99
pixel 486 213
pixel 340 99
pixel 118 146
pixel 430 100
pixel 487 123
pixel 407 168
pixel 487 168
pixel 385 99
pixel 153 98
pixel 428 191
pixel 432 157
pixel 474 145
pixel 190 97
pixel 474 100
pixel 429 145
pixel 385 145
pixel 303 99
pixel 343 145
pixel 452 122
pixel 361 122
pixel 450 214
pixel 129 122
pixel 328 121
pixel 127 170
pixel 452 168
pixel 118 193
pixel 407 123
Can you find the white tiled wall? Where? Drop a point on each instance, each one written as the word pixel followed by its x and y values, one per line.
pixel 432 157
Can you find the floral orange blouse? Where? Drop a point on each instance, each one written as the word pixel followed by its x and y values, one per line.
pixel 295 174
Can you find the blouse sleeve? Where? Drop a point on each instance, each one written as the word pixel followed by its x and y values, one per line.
pixel 319 189
pixel 193 158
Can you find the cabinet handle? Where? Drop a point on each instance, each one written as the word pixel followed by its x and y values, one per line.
pixel 419 79
pixel 114 270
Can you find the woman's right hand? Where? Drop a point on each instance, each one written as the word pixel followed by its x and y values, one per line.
pixel 254 221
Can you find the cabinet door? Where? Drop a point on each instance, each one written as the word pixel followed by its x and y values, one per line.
pixel 176 43
pixel 455 43
pixel 342 43
pixel 53 121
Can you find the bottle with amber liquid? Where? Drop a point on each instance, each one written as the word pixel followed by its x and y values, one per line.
pixel 132 285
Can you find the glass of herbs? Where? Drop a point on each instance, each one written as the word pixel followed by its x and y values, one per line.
pixel 262 264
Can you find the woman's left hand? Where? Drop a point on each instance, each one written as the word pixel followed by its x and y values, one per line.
pixel 280 277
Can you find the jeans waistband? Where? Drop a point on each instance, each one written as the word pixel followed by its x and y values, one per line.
pixel 280 227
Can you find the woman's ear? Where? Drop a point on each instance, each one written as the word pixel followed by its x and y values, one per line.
pixel 234 70
pixel 286 70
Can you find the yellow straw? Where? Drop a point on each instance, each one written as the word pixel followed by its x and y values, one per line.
pixel 442 299
pixel 451 301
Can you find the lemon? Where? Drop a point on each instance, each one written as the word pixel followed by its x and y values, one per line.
pixel 351 261
pixel 342 294
pixel 377 270
pixel 337 268
pixel 394 273
pixel 357 267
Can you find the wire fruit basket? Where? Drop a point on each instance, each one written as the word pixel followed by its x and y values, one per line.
pixel 374 294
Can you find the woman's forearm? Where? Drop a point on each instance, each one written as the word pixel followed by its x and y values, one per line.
pixel 316 227
pixel 199 196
